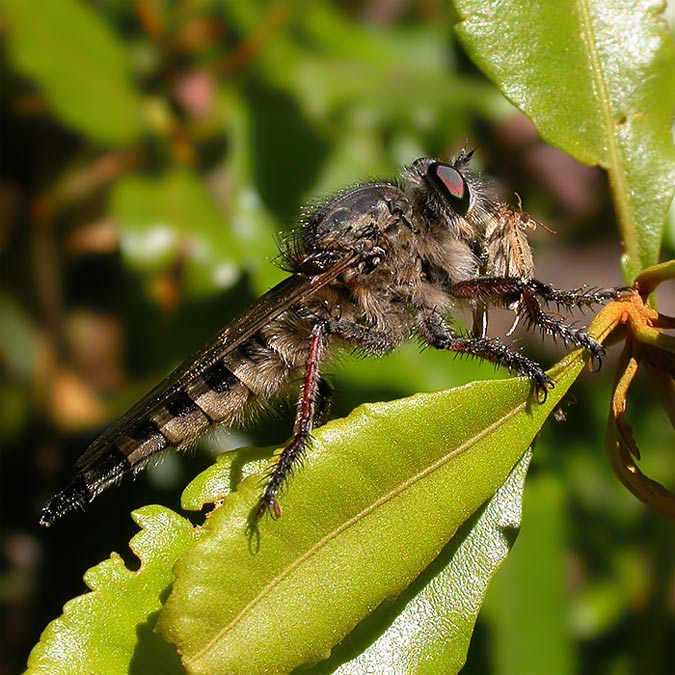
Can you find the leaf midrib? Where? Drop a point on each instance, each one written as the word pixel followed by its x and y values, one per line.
pixel 616 175
pixel 330 536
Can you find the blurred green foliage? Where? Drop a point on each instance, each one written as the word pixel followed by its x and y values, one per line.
pixel 152 151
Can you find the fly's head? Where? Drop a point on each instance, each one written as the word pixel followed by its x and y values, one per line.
pixel 450 196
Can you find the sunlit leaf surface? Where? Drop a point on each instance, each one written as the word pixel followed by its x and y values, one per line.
pixel 597 78
pixel 381 493
pixel 110 630
pixel 429 626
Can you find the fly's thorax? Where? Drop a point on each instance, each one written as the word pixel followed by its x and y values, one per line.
pixel 356 215
pixel 357 221
pixel 447 260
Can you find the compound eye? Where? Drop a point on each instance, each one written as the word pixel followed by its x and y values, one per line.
pixel 452 185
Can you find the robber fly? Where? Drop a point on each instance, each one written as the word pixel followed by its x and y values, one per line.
pixel 378 263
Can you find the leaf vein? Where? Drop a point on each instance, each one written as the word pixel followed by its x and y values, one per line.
pixel 330 536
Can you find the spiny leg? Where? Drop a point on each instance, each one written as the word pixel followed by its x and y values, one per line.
pixel 525 293
pixel 578 297
pixel 548 325
pixel 315 398
pixel 304 423
pixel 373 341
pixel 506 289
pixel 438 333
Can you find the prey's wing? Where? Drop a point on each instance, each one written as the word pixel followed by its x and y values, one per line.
pixel 277 300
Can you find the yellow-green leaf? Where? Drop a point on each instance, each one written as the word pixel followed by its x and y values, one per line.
pixel 381 493
pixel 110 630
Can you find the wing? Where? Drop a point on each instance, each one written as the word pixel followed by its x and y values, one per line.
pixel 269 306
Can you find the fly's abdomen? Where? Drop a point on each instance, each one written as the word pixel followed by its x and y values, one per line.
pixel 216 396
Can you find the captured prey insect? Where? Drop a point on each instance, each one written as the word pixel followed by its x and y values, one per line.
pixel 378 263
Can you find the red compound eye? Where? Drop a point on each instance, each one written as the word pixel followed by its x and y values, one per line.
pixel 452 184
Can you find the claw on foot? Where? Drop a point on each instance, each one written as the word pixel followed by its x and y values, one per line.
pixel 541 384
pixel 268 505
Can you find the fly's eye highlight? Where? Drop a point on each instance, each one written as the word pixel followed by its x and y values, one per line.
pixel 453 185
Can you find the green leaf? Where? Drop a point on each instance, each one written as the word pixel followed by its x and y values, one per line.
pixel 223 476
pixel 429 626
pixel 381 494
pixel 79 64
pixel 597 78
pixel 170 220
pixel 110 630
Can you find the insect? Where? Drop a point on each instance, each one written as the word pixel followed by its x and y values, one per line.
pixel 378 263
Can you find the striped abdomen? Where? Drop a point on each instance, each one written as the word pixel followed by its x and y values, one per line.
pixel 224 393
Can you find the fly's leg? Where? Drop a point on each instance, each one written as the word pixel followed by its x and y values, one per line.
pixel 504 289
pixel 304 423
pixel 314 402
pixel 548 325
pixel 437 332
pixel 526 295
pixel 370 340
pixel 578 297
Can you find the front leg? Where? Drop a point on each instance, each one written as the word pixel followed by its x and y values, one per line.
pixel 525 294
pixel 437 332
